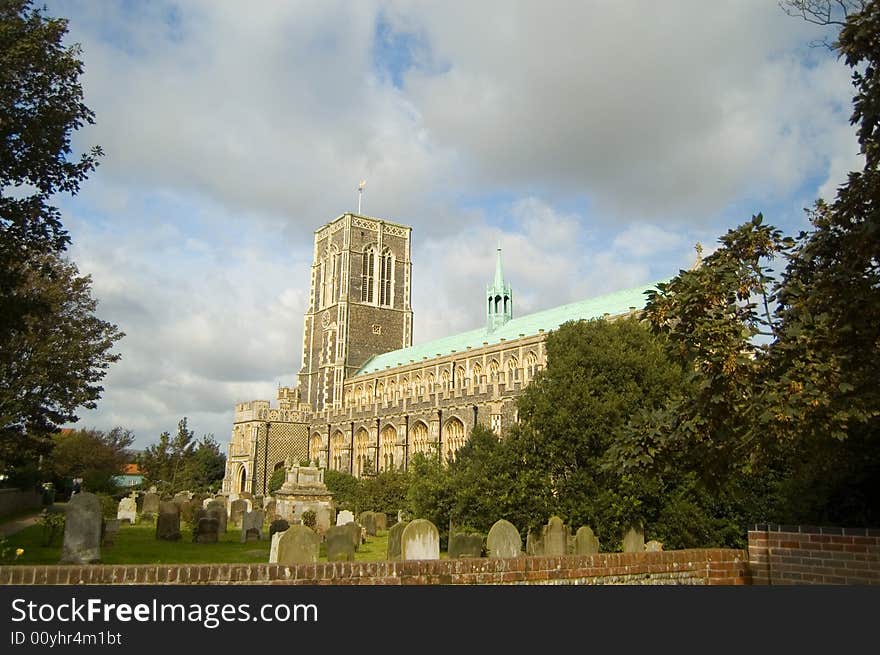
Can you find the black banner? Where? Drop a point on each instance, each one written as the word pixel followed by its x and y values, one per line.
pixel 169 619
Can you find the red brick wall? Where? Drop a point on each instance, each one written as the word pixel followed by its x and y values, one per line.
pixel 788 554
pixel 693 567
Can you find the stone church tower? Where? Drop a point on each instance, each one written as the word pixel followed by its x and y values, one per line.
pixel 359 303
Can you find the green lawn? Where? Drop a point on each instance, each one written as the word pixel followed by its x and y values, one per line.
pixel 137 544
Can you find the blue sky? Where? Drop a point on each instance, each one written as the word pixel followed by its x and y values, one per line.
pixel 598 141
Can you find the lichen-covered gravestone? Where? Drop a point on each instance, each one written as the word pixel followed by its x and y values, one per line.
pixel 127 510
pixel 151 504
pixel 465 545
pixel 368 520
pixel 237 508
pixel 338 543
pixel 503 540
pixel 217 509
pixel 555 537
pixel 393 550
pixel 298 545
pixel 654 546
pixel 634 541
pixel 252 526
pixel 82 530
pixel 206 530
pixel 168 523
pixel 381 521
pixel 585 542
pixel 110 530
pixel 420 540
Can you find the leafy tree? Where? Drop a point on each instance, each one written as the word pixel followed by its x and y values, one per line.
pixel 384 492
pixel 277 479
pixel 93 455
pixel 54 351
pixel 180 463
pixel 345 489
pixel 51 364
pixel 801 407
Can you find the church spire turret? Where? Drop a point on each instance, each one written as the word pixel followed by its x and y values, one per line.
pixel 499 298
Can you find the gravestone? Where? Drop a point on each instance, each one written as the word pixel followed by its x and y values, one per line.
pixel 111 529
pixel 420 540
pixel 236 510
pixel 394 549
pixel 465 545
pixel 278 525
pixel 344 516
pixel 653 546
pixel 252 526
pixel 304 491
pixel 151 504
pixel 381 520
pixel 368 521
pixel 585 542
pixel 138 501
pixel 535 543
pixel 555 537
pixel 181 497
pixel 270 507
pixel 83 522
pixel 503 540
pixel 338 544
pixel 217 509
pixel 207 530
pixel 634 541
pixel 127 510
pixel 273 546
pixel 298 545
pixel 168 523
pixel 355 534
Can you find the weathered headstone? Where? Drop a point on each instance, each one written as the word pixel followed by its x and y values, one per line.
pixel 634 541
pixel 206 530
pixel 555 537
pixel 344 516
pixel 108 534
pixel 394 549
pixel 278 525
pixel 503 540
pixel 82 530
pixel 151 504
pixel 355 533
pixel 252 526
pixel 127 510
pixel 138 501
pixel 420 540
pixel 168 523
pixel 368 521
pixel 273 546
pixel 217 509
pixel 585 542
pixel 338 543
pixel 535 543
pixel 381 521
pixel 236 510
pixel 298 545
pixel 653 546
pixel 465 545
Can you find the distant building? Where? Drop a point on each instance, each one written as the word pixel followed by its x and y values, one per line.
pixel 366 398
pixel 131 476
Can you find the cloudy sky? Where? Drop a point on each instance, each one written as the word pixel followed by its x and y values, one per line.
pixel 598 141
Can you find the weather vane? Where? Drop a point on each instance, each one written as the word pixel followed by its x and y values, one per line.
pixel 361 186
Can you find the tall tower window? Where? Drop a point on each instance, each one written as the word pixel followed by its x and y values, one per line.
pixel 367 275
pixel 385 270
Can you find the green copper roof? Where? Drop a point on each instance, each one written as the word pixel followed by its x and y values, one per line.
pixel 499 273
pixel 618 302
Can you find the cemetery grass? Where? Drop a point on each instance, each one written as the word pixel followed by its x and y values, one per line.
pixel 137 544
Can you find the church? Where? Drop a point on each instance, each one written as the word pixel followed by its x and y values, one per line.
pixel 366 399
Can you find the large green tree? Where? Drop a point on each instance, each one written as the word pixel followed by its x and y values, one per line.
pixel 93 455
pixel 182 462
pixel 53 351
pixel 785 368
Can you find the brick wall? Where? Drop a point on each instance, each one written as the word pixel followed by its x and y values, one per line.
pixel 683 567
pixel 788 554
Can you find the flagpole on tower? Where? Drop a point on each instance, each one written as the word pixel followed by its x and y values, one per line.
pixel 361 186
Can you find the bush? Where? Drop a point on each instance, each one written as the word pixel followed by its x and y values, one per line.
pixel 277 480
pixel 52 523
pixel 109 505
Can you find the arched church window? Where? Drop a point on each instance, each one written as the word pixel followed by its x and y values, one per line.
pixel 493 371
pixel 386 442
pixel 460 379
pixel 454 437
pixel 444 377
pixel 512 369
pixel 385 274
pixel 369 262
pixel 478 372
pixel 418 438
